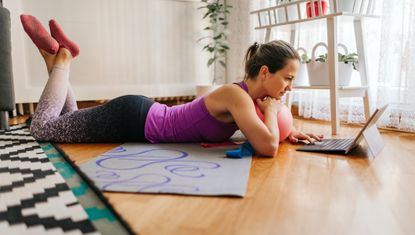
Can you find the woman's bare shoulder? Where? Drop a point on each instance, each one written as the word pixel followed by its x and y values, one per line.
pixel 230 94
pixel 231 90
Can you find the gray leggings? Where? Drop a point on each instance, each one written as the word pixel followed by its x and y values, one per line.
pixel 57 118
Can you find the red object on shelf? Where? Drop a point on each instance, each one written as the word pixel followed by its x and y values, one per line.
pixel 323 8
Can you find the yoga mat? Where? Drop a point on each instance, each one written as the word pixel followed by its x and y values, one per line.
pixel 100 213
pixel 169 168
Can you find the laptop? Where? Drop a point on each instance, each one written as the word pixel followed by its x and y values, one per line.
pixel 343 146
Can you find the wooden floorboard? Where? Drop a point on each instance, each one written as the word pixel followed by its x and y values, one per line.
pixel 293 193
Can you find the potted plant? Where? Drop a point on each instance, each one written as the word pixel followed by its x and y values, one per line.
pixel 351 58
pixel 318 71
pixel 216 43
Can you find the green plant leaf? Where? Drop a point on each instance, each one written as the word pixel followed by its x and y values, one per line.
pixel 205 15
pixel 210 61
pixel 202 38
pixel 348 58
pixel 217 37
pixel 216 44
pixel 225 46
pixel 304 58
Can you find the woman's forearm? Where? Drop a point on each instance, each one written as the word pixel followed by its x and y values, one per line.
pixel 271 121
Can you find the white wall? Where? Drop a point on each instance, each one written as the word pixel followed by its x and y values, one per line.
pixel 242 35
pixel 127 47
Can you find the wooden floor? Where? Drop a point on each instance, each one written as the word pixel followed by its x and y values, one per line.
pixel 293 193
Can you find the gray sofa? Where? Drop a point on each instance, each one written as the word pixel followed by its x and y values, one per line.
pixel 7 102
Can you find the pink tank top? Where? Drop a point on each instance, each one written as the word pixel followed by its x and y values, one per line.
pixel 190 122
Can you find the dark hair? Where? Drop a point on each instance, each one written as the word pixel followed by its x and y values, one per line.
pixel 274 55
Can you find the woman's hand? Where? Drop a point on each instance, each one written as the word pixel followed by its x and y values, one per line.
pixel 269 104
pixel 295 136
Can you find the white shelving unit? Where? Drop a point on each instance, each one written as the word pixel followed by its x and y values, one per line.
pixel 294 13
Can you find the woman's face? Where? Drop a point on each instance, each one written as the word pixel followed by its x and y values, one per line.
pixel 278 83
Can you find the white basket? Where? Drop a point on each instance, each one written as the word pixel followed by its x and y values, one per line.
pixel 302 74
pixel 318 72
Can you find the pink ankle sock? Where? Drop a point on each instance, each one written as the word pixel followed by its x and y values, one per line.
pixel 63 40
pixel 40 37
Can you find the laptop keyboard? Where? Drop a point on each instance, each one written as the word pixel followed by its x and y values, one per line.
pixel 337 144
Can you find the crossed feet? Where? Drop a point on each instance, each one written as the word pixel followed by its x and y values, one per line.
pixel 56 47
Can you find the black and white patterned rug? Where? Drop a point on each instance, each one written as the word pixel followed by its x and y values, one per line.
pixel 34 198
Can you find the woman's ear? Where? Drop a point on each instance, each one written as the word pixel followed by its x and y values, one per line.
pixel 263 71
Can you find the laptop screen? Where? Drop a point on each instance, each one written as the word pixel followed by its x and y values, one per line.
pixel 372 121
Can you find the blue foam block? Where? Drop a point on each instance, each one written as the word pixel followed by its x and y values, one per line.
pixel 245 150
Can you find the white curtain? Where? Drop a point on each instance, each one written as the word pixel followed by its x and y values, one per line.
pixel 390 61
pixel 396 76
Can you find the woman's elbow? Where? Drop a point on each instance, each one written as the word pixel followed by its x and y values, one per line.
pixel 269 150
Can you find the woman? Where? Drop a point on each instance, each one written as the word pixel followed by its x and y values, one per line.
pixel 270 69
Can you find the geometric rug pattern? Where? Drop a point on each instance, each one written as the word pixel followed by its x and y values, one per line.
pixel 34 197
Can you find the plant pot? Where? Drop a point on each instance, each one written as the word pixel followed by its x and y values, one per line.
pixel 302 73
pixel 318 72
pixel 302 76
pixel 316 13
